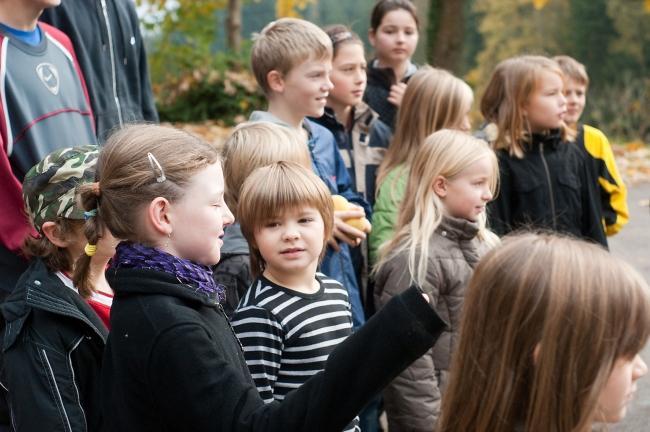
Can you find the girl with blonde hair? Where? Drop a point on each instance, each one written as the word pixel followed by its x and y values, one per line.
pixel 550 338
pixel 434 100
pixel 440 236
pixel 547 181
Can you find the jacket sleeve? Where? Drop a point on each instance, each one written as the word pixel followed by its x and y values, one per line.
pixel 344 184
pixel 42 394
pixel 592 223
pixel 613 193
pixel 412 399
pixel 201 390
pixel 500 209
pixel 262 337
pixel 386 212
pixel 149 111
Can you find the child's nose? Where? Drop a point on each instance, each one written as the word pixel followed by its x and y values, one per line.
pixel 290 233
pixel 640 367
pixel 488 195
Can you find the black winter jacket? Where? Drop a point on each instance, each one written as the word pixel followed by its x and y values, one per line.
pixel 52 348
pixel 553 187
pixel 173 363
pixel 106 37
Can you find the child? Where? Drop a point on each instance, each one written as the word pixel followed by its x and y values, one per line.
pixel 611 188
pixel 394 30
pixel 546 180
pixel 361 137
pixel 434 100
pixel 172 361
pixel 551 330
pixel 53 341
pixel 440 236
pixel 292 317
pixel 43 96
pixel 251 145
pixel 292 60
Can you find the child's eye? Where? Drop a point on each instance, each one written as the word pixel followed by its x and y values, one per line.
pixel 272 224
pixel 306 220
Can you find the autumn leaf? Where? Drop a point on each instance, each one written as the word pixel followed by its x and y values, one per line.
pixel 539 4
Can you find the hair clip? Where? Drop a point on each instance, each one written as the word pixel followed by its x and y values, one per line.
pixel 340 37
pixel 90 249
pixel 155 164
pixel 90 213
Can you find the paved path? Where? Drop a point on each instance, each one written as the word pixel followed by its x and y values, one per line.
pixel 633 245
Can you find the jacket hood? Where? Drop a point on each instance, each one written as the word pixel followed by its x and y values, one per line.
pixel 128 281
pixel 234 242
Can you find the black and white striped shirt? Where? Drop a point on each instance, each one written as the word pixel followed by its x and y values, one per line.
pixel 288 335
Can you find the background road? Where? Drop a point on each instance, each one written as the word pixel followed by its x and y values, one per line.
pixel 633 245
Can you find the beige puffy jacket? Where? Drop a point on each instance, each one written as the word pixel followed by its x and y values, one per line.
pixel 412 400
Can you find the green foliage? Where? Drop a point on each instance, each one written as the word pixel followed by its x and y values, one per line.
pixel 225 91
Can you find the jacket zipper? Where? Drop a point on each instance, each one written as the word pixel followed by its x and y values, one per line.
pixel 110 47
pixel 50 372
pixel 550 185
pixel 74 381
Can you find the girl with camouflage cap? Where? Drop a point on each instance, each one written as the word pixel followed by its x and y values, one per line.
pixel 53 344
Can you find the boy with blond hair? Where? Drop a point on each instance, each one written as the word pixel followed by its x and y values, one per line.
pixel 292 60
pixel 613 193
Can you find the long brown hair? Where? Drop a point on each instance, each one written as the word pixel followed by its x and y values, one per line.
pixel 434 99
pixel 127 181
pixel 510 86
pixel 581 308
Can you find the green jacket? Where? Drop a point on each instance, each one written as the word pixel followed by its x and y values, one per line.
pixel 386 210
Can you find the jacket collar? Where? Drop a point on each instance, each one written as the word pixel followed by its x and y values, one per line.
pixel 38 288
pixel 457 229
pixel 234 242
pixel 550 139
pixel 134 281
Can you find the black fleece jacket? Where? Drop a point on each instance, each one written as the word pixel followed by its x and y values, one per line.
pixel 106 37
pixel 173 363
pixel 553 187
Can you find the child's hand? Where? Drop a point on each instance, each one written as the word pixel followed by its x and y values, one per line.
pixel 396 93
pixel 343 231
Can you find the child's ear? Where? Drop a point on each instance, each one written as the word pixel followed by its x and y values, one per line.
pixel 275 81
pixel 439 186
pixel 53 233
pixel 371 37
pixel 159 216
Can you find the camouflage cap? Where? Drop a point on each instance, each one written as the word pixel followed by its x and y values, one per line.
pixel 49 186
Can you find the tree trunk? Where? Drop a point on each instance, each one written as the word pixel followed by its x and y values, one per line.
pixel 233 25
pixel 446 38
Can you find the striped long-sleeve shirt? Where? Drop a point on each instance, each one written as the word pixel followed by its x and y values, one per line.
pixel 287 336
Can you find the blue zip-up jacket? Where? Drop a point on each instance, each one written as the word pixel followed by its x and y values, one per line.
pixel 329 166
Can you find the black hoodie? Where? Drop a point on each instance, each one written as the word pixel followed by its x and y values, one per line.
pixel 106 37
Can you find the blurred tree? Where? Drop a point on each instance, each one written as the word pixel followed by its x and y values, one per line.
pixel 291 8
pixel 445 33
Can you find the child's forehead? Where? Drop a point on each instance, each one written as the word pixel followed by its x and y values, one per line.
pixel 293 211
pixel 314 62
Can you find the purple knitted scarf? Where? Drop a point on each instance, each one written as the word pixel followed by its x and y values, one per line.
pixel 135 255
